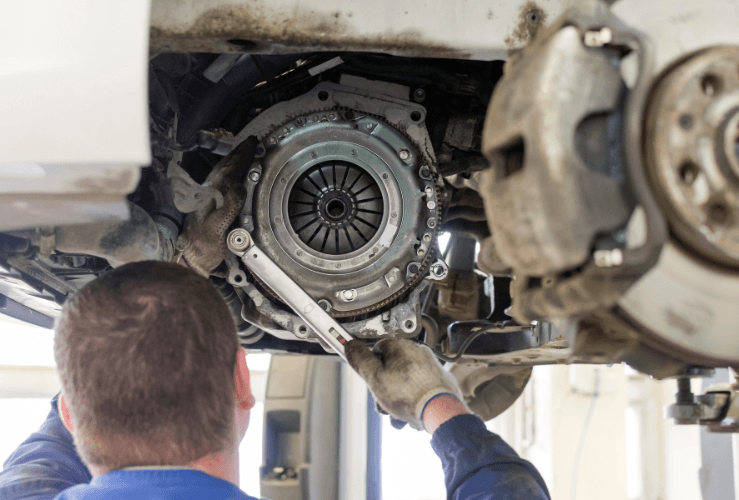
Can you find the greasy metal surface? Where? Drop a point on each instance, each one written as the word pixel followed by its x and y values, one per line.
pixel 544 203
pixel 119 242
pixel 334 122
pixel 327 329
pixel 692 144
pixel 437 28
pixel 489 390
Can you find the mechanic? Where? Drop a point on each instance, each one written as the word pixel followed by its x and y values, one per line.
pixel 155 394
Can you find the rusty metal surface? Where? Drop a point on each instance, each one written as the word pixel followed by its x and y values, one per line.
pixel 436 28
pixel 692 144
pixel 544 200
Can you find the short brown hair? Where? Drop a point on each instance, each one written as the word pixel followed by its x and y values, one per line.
pixel 146 354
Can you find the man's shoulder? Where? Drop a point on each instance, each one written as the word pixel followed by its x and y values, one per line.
pixel 155 484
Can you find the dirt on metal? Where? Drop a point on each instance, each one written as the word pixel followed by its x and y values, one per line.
pixel 238 28
pixel 531 20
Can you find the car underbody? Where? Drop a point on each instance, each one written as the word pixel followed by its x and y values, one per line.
pixel 565 192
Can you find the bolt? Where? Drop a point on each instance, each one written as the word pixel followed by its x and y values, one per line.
pixel 283 180
pixel 349 115
pixel 332 116
pixel 315 118
pixel 325 305
pixel 404 154
pixel 385 176
pixel 300 253
pixel 272 140
pixel 299 121
pixel 393 215
pixel 259 151
pixel 314 155
pixel 245 219
pixel 420 252
pixel 198 196
pixel 431 223
pixel 278 220
pixel 413 268
pixel 391 279
pixel 429 190
pixel 285 130
pixel 254 176
pixel 425 172
pixel 427 237
pixel 349 295
pixel 419 95
pixel 431 205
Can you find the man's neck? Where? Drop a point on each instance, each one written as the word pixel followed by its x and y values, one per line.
pixel 224 465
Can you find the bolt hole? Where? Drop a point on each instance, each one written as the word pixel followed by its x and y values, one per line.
pixel 711 85
pixel 416 116
pixel 719 213
pixel 689 172
pixel 686 121
pixel 302 329
pixel 238 278
pixel 322 95
pixel 409 324
pixel 532 17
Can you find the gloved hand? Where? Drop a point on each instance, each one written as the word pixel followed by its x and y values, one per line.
pixel 403 379
pixel 203 244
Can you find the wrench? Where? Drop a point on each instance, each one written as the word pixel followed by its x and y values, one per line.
pixel 241 244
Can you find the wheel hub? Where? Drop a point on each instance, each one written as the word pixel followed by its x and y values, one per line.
pixel 693 152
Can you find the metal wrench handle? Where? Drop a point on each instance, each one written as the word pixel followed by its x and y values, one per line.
pixel 240 243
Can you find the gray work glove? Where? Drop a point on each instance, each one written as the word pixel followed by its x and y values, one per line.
pixel 203 244
pixel 403 378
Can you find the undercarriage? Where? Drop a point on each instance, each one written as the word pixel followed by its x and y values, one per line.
pixel 576 203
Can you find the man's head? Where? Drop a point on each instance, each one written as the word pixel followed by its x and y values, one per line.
pixel 147 355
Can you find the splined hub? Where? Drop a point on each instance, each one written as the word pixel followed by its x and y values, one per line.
pixel 335 207
pixel 342 208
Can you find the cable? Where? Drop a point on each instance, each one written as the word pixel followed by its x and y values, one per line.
pixel 581 441
pixel 466 344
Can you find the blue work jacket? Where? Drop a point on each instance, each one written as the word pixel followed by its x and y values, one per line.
pixel 477 465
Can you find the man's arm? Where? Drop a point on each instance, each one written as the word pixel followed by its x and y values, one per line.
pixel 477 463
pixel 410 384
pixel 44 465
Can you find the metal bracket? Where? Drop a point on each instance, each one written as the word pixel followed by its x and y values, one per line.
pixel 240 243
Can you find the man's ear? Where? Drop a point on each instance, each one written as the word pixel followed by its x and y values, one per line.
pixel 244 398
pixel 66 417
